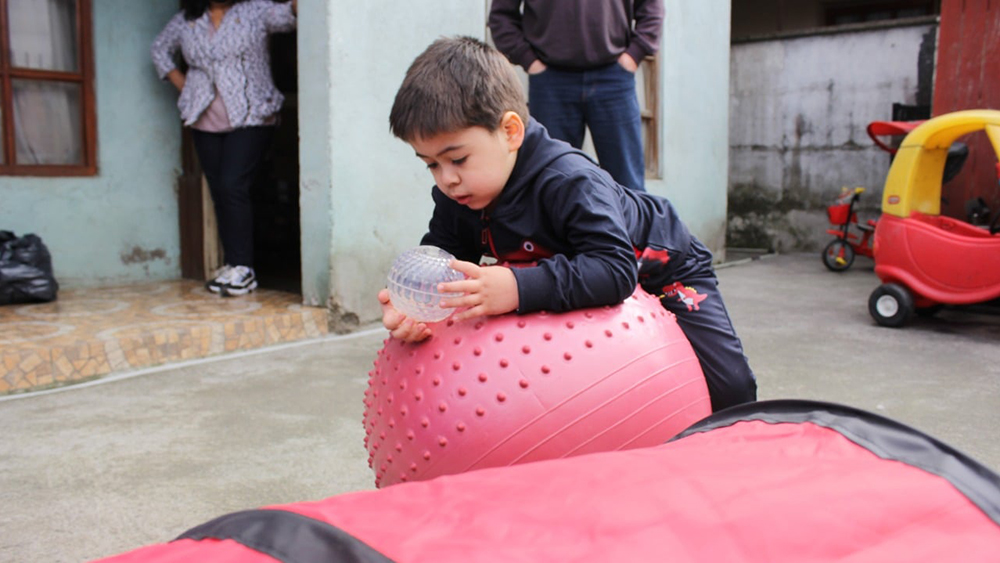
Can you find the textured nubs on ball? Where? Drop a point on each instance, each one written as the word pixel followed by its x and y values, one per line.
pixel 511 389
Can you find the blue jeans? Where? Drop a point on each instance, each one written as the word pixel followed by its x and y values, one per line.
pixel 603 99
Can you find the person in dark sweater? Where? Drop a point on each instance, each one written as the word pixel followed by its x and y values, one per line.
pixel 581 58
pixel 506 190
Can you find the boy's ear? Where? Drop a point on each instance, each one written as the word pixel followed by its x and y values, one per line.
pixel 513 129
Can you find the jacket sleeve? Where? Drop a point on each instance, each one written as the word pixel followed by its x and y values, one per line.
pixel 508 32
pixel 278 17
pixel 648 28
pixel 601 271
pixel 166 45
pixel 447 232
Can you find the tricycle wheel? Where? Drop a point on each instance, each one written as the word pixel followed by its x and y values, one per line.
pixel 890 305
pixel 838 255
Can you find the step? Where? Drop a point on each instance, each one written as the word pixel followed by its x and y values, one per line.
pixel 93 332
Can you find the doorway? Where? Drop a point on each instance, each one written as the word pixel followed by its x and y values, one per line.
pixel 275 194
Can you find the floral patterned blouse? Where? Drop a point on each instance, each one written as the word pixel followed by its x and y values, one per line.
pixel 233 62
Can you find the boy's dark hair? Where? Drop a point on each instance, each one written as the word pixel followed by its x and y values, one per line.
pixel 193 9
pixel 457 82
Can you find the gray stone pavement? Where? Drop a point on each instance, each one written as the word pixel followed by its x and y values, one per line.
pixel 95 470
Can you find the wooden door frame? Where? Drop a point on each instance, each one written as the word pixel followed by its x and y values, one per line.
pixel 199 241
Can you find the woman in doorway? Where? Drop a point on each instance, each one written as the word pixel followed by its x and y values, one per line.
pixel 230 102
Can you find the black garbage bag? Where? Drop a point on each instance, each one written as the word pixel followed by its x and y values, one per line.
pixel 25 270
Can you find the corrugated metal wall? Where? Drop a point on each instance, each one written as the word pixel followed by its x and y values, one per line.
pixel 967 78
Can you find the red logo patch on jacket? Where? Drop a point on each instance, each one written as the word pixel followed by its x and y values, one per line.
pixel 652 255
pixel 686 295
pixel 528 252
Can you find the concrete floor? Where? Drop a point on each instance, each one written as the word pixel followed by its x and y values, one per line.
pixel 94 470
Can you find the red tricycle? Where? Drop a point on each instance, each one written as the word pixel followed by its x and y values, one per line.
pixel 839 254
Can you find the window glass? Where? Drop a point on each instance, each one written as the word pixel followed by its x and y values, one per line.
pixel 43 34
pixel 47 122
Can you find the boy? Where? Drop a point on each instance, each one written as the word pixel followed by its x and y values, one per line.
pixel 505 189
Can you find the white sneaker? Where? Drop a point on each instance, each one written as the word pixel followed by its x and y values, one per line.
pixel 241 281
pixel 219 279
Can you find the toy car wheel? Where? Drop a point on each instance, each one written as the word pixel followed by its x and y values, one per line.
pixel 838 255
pixel 890 305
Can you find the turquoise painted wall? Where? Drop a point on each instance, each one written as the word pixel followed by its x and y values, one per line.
pixel 381 190
pixel 119 226
pixel 315 152
pixel 365 197
pixel 694 110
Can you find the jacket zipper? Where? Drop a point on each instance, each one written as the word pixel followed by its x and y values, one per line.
pixel 487 237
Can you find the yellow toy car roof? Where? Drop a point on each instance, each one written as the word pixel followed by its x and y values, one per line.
pixel 914 180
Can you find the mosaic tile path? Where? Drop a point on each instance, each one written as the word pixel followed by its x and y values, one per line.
pixel 88 333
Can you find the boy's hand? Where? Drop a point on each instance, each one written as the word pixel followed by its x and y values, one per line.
pixel 398 324
pixel 488 290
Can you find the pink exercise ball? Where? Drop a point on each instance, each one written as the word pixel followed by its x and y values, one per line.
pixel 511 389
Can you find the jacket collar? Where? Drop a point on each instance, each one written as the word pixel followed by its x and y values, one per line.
pixel 537 152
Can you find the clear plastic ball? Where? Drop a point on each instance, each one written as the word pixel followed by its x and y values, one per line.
pixel 413 281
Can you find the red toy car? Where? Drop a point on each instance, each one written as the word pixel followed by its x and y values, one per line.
pixel 925 260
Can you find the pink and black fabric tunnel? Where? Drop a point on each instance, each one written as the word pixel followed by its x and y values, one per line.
pixel 772 481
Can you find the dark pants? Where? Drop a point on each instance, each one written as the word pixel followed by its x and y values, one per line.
pixel 690 291
pixel 604 100
pixel 230 162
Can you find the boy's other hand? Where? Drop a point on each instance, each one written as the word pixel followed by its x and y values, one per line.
pixel 398 324
pixel 488 290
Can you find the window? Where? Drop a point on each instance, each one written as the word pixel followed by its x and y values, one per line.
pixel 647 86
pixel 47 122
pixel 859 12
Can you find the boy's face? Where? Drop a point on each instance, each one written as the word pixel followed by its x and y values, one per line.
pixel 472 165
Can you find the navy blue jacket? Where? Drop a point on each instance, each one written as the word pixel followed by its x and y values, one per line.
pixel 562 212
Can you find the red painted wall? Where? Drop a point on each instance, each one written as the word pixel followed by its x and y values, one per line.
pixel 968 77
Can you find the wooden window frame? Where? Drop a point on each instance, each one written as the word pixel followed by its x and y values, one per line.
pixel 84 76
pixel 650 113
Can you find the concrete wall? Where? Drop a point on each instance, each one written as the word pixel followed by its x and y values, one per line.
pixel 364 196
pixel 376 195
pixel 315 152
pixel 120 225
pixel 694 116
pixel 798 112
